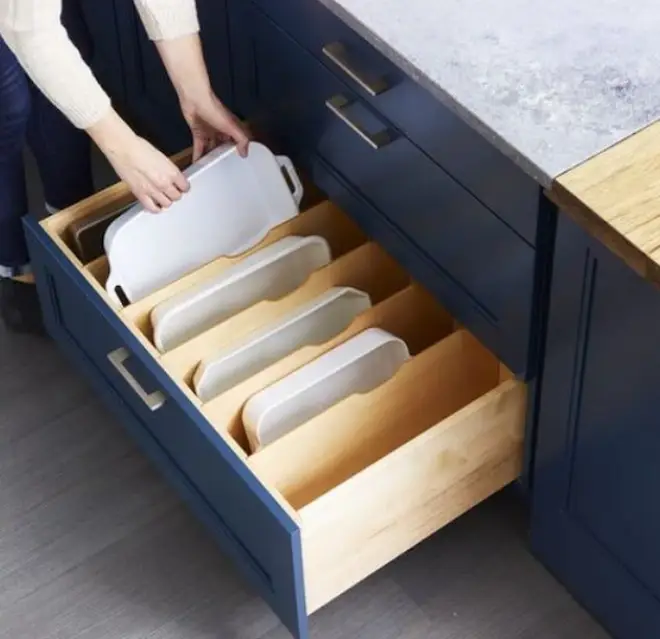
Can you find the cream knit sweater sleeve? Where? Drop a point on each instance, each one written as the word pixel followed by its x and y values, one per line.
pixel 33 31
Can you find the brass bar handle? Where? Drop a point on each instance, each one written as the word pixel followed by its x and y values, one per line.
pixel 154 400
pixel 337 106
pixel 337 54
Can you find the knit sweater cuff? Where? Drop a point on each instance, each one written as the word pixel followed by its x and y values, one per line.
pixel 168 19
pixel 85 115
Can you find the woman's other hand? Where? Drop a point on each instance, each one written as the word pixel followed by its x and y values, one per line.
pixel 154 179
pixel 209 120
pixel 211 124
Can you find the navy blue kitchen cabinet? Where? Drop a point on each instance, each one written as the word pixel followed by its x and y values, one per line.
pixel 475 261
pixel 596 512
pixel 95 31
pixel 464 222
pixel 128 66
pixel 468 225
pixel 460 150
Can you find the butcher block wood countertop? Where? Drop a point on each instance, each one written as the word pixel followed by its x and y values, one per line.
pixel 616 196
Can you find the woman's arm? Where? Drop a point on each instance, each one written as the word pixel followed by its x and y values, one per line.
pixel 174 27
pixel 34 32
pixel 168 19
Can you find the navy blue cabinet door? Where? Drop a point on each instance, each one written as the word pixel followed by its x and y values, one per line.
pixel 596 509
pixel 92 27
pixel 127 64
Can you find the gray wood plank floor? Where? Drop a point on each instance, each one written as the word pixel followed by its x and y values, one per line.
pixel 94 545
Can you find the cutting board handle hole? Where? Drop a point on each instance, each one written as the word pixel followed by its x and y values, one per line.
pixel 287 179
pixel 121 296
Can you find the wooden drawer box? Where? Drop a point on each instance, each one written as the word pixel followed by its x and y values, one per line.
pixel 325 506
pixel 466 155
pixel 454 245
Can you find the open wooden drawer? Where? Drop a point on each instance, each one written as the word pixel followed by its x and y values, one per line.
pixel 325 506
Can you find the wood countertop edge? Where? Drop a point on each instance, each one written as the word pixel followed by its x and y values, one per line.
pixel 596 226
pixel 615 196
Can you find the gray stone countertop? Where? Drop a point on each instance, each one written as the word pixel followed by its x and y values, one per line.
pixel 551 84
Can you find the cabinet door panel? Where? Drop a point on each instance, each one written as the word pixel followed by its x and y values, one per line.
pixel 96 22
pixel 596 519
pixel 616 464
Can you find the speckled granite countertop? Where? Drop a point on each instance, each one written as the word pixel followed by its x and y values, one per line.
pixel 551 85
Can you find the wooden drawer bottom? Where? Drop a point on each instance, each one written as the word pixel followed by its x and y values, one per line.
pixel 359 484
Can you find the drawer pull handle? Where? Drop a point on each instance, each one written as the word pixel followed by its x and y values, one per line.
pixel 336 53
pixel 338 104
pixel 154 400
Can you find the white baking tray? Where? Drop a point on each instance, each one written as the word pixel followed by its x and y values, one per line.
pixel 357 366
pixel 232 204
pixel 313 323
pixel 267 274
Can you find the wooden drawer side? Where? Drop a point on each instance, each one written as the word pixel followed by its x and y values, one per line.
pixel 369 521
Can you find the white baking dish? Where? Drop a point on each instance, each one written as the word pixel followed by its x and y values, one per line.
pixel 267 274
pixel 232 204
pixel 357 366
pixel 314 323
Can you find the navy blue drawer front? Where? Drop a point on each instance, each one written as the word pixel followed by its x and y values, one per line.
pixel 474 162
pixel 254 530
pixel 489 266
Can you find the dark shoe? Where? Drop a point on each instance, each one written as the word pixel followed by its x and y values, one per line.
pixel 19 307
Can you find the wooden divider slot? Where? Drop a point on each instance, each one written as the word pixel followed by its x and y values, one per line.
pixel 411 314
pixel 367 268
pixel 324 219
pixel 99 269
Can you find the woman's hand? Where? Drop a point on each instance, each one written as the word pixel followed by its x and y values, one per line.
pixel 211 124
pixel 154 179
pixel 209 120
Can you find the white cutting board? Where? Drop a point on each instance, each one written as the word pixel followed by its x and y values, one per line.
pixel 232 204
pixel 266 274
pixel 313 323
pixel 357 366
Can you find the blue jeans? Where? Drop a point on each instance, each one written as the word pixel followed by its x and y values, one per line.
pixel 62 152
